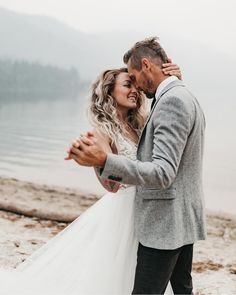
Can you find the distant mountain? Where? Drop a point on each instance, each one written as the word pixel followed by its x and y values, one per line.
pixel 46 40
pixel 23 37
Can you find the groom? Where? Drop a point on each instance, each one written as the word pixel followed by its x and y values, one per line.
pixel 169 209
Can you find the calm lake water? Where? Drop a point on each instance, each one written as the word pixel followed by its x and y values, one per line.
pixel 35 133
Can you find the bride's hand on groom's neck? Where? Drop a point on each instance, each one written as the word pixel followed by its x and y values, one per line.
pixel 172 69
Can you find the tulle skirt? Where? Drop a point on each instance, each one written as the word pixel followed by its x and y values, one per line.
pixel 95 254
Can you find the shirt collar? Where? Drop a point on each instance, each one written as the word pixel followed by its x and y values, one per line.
pixel 163 85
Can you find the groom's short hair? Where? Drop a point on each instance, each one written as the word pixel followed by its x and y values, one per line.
pixel 149 48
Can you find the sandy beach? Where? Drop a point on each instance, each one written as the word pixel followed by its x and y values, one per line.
pixel 42 211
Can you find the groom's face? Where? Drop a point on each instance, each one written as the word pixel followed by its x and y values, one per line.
pixel 142 79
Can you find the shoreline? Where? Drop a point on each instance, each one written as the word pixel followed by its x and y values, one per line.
pixel 214 262
pixel 81 193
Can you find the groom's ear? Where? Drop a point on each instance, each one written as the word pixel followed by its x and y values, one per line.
pixel 146 65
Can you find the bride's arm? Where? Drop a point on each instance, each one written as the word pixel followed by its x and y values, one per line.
pixel 109 185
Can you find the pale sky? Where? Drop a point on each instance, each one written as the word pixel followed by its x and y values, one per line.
pixel 210 21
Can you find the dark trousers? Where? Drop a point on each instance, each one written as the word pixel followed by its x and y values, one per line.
pixel 155 268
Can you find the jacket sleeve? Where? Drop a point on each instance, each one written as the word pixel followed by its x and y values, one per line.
pixel 172 125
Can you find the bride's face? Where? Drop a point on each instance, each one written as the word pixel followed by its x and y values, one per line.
pixel 125 93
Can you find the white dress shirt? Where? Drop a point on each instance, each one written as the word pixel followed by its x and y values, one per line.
pixel 163 84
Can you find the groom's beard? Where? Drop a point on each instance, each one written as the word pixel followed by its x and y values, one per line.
pixel 149 95
pixel 150 89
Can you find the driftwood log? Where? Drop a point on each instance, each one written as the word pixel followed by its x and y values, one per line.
pixel 42 201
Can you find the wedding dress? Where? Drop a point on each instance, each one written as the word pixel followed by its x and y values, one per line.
pixel 95 254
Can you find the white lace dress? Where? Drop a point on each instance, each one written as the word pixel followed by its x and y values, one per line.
pixel 96 254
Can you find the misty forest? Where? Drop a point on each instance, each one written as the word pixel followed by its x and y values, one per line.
pixel 21 77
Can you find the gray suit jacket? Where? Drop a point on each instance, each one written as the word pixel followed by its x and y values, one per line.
pixel 169 208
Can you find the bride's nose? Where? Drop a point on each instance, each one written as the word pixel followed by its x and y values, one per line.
pixel 134 89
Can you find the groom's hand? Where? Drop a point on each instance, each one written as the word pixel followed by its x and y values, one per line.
pixel 75 144
pixel 88 151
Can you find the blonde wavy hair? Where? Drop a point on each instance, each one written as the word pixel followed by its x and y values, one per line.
pixel 103 112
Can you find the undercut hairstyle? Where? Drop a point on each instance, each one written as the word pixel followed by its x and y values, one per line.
pixel 148 48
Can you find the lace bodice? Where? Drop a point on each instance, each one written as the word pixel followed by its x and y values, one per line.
pixel 127 147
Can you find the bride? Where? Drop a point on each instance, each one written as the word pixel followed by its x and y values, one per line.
pixel 95 254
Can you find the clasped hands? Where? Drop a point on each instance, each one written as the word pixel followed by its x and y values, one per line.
pixel 88 150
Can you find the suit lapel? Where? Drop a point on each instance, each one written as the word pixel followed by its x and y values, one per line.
pixel 167 88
